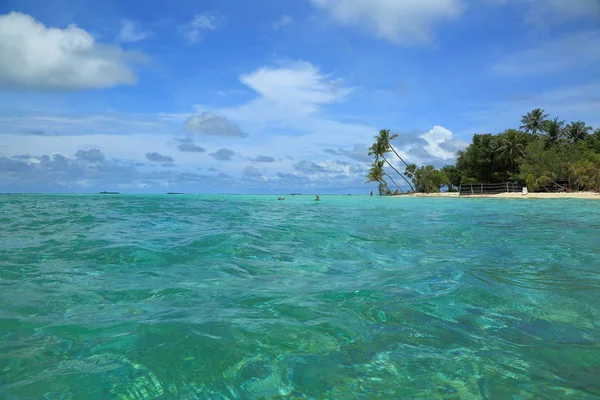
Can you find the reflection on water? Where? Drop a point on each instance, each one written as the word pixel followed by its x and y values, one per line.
pixel 157 297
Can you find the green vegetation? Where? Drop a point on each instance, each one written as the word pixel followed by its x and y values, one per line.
pixel 541 153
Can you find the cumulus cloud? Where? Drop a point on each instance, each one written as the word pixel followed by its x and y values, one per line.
pixel 38 57
pixel 435 137
pixel 210 124
pixel 91 155
pixel 187 145
pixel 131 32
pixel 159 158
pixel 222 155
pixel 400 21
pixel 264 159
pixel 194 30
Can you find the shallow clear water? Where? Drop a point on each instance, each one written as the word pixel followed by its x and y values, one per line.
pixel 246 297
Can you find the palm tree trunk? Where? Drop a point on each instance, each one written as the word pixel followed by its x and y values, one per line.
pixel 397 155
pixel 398 172
pixel 394 182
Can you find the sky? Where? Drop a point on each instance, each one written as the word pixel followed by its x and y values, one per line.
pixel 274 96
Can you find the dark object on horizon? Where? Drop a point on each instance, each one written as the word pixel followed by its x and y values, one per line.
pixel 295 194
pixel 317 198
pixel 174 193
pixel 281 198
pixel 371 192
pixel 109 192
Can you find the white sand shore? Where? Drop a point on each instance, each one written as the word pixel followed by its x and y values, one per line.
pixel 574 195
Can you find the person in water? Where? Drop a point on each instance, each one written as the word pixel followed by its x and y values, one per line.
pixel 317 198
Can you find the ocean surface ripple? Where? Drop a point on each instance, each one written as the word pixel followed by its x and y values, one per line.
pixel 247 297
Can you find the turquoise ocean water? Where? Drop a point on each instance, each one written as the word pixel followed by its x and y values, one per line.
pixel 247 297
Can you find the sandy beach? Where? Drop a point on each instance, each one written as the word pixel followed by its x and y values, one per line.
pixel 574 195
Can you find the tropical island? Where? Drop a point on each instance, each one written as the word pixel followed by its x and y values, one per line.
pixel 544 155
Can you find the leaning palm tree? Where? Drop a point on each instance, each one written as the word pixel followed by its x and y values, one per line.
pixel 555 131
pixel 377 174
pixel 577 131
pixel 511 147
pixel 386 137
pixel 534 121
pixel 378 149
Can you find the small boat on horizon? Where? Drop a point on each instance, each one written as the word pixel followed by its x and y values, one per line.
pixel 105 192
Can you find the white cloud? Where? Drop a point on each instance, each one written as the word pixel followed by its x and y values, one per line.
pixel 194 30
pixel 282 22
pixel 401 21
pixel 577 50
pixel 435 138
pixel 37 57
pixel 131 32
pixel 298 88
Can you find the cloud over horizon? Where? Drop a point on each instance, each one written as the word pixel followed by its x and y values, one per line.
pixel 38 57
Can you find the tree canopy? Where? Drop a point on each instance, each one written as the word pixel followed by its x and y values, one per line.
pixel 543 152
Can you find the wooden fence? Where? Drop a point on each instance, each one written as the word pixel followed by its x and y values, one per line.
pixel 480 189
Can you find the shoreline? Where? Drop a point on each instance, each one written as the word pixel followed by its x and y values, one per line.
pixel 574 195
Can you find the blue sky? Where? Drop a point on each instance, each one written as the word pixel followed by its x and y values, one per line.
pixel 274 96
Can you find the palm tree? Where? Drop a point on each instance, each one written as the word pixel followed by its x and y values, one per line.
pixel 555 131
pixel 378 149
pixel 386 138
pixel 376 174
pixel 534 121
pixel 511 147
pixel 577 131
